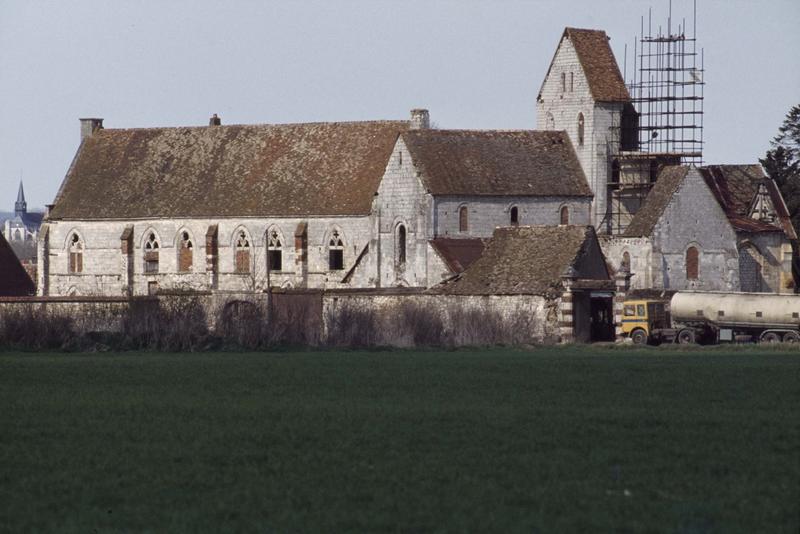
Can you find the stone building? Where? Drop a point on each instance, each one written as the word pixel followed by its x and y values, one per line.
pixel 21 231
pixel 325 205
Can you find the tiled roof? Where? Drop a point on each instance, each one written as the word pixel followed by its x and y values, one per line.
pixel 497 163
pixel 14 281
pixel 458 254
pixel 601 69
pixel 669 180
pixel 256 170
pixel 531 260
pixel 736 186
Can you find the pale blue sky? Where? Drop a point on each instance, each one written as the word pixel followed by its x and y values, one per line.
pixel 473 64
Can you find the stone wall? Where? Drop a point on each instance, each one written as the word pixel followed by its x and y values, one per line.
pixel 640 252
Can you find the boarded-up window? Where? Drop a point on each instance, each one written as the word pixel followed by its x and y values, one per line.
pixel 185 253
pixel 75 254
pixel 564 215
pixel 692 263
pixel 580 129
pixel 514 216
pixel 463 219
pixel 151 254
pixel 335 252
pixel 242 259
pixel 401 245
pixel 274 251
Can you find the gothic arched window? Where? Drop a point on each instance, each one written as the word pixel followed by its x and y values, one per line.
pixel 401 245
pixel 514 216
pixel 564 215
pixel 463 219
pixel 692 263
pixel 580 129
pixel 335 252
pixel 75 254
pixel 185 253
pixel 274 251
pixel 242 258
pixel 151 254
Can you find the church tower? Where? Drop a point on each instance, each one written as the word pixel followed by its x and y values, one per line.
pixel 20 206
pixel 584 93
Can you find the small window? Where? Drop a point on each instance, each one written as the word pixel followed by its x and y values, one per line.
pixel 151 254
pixel 580 129
pixel 242 259
pixel 564 215
pixel 692 263
pixel 571 82
pixel 640 311
pixel 630 310
pixel 699 313
pixel 550 121
pixel 795 315
pixel 401 245
pixel 626 261
pixel 336 252
pixel 274 251
pixel 185 253
pixel 720 313
pixel 75 254
pixel 514 216
pixel 563 82
pixel 759 314
pixel 463 219
pixel 152 287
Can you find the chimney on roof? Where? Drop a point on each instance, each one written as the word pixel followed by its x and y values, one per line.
pixel 420 119
pixel 214 120
pixel 89 126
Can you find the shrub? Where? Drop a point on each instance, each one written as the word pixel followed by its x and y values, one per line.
pixel 35 327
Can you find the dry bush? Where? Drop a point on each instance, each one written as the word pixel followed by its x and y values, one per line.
pixel 243 324
pixel 422 324
pixel 294 323
pixel 35 327
pixel 470 326
pixel 352 325
pixel 170 324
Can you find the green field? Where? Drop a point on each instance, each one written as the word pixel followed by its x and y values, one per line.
pixel 551 440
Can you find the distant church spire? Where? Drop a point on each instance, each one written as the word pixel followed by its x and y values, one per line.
pixel 20 206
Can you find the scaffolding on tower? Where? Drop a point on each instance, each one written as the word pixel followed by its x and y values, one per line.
pixel 667 127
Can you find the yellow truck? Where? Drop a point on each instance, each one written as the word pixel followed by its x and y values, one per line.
pixel 713 317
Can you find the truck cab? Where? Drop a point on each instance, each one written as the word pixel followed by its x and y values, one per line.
pixel 644 321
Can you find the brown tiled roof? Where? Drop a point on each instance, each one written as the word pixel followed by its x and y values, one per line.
pixel 601 69
pixel 497 163
pixel 224 171
pixel 735 187
pixel 14 280
pixel 669 180
pixel 530 260
pixel 458 254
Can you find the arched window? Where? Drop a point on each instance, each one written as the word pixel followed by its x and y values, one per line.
pixel 75 254
pixel 514 216
pixel 401 245
pixel 151 254
pixel 580 129
pixel 17 235
pixel 563 82
pixel 463 219
pixel 185 253
pixel 274 251
pixel 564 215
pixel 550 122
pixel 242 259
pixel 692 263
pixel 626 262
pixel 335 252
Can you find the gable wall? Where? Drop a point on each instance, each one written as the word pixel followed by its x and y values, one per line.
pixel 693 217
pixel 640 251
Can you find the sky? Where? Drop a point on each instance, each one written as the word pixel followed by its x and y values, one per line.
pixel 472 64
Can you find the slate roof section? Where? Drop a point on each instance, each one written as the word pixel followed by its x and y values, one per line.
pixel 225 171
pixel 497 163
pixel 669 180
pixel 458 254
pixel 528 260
pixel 14 280
pixel 735 187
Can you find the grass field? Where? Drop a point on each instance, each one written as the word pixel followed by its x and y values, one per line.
pixel 553 440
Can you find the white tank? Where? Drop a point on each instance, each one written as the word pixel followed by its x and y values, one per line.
pixel 765 310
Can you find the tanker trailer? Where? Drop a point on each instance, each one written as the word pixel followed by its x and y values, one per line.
pixel 711 317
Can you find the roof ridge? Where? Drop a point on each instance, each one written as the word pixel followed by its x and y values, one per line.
pixel 257 125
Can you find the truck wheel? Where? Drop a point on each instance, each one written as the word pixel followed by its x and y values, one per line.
pixel 791 337
pixel 639 337
pixel 771 337
pixel 686 337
